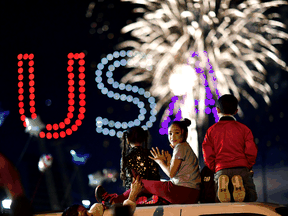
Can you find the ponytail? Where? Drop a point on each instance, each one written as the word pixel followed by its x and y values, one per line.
pixel 123 164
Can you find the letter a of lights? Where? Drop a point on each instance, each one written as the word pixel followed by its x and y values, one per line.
pixel 55 130
pixel 208 101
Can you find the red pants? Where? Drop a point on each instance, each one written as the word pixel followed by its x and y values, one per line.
pixel 167 190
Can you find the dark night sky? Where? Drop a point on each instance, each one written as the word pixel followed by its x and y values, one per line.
pixel 52 29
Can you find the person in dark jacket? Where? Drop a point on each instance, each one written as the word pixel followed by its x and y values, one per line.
pixel 229 150
pixel 135 156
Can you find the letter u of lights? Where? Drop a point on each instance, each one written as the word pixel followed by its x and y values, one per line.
pixel 61 129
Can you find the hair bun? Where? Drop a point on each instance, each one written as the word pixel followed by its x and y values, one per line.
pixel 187 122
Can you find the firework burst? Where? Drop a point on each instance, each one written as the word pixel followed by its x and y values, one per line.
pixel 236 38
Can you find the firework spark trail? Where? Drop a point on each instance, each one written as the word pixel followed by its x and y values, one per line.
pixel 240 39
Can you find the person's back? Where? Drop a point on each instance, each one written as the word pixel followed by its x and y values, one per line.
pixel 138 160
pixel 229 150
pixel 233 144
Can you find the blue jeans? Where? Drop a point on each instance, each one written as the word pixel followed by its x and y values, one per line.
pixel 247 176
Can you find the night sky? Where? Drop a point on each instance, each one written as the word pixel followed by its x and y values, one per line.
pixel 52 29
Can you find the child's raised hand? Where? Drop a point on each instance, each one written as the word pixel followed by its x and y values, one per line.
pixel 157 156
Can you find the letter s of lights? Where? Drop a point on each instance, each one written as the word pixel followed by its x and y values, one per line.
pixel 55 130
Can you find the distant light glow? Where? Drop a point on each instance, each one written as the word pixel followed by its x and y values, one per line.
pixel 6 203
pixel 86 203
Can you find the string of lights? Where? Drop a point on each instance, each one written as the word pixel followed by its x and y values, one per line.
pixel 111 127
pixel 55 130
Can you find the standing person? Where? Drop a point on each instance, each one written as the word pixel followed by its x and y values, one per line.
pixel 182 169
pixel 230 152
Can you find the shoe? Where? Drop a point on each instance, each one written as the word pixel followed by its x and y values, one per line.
pixel 223 192
pixel 239 190
pixel 103 197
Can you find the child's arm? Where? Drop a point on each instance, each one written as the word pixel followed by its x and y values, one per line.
pixel 208 153
pixel 161 158
pixel 250 149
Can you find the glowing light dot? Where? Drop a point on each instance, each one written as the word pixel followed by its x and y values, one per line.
pixel 100 66
pixel 122 86
pixel 82 110
pixel 105 131
pixel 67 121
pixel 135 89
pixel 71 62
pixel 116 54
pixel 151 100
pixel 41 134
pixel 140 104
pixel 136 122
pixel 49 127
pixel 78 122
pixel 82 96
pixel 100 86
pixel 122 53
pixel 98 80
pixel 116 96
pixel 116 64
pixel 20 56
pixel 55 126
pixel 81 76
pixel 123 97
pixel 70 69
pixel 32 109
pixel 152 118
pixel 141 91
pixel 147 94
pixel 33 115
pixel 71 108
pixel 55 135
pixel 112 132
pixel 119 134
pixel 109 57
pixel 110 81
pixel 81 116
pixel 68 131
pixel 109 74
pixel 82 103
pixel 110 94
pixel 74 128
pixel 71 95
pixel 48 135
pixel 104 91
pixel 123 62
pixel 111 68
pixel 104 61
pixel 118 124
pixel 62 134
pixel 115 85
pixel 136 100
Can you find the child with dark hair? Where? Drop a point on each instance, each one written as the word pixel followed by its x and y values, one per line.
pixel 182 169
pixel 230 152
pixel 135 156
